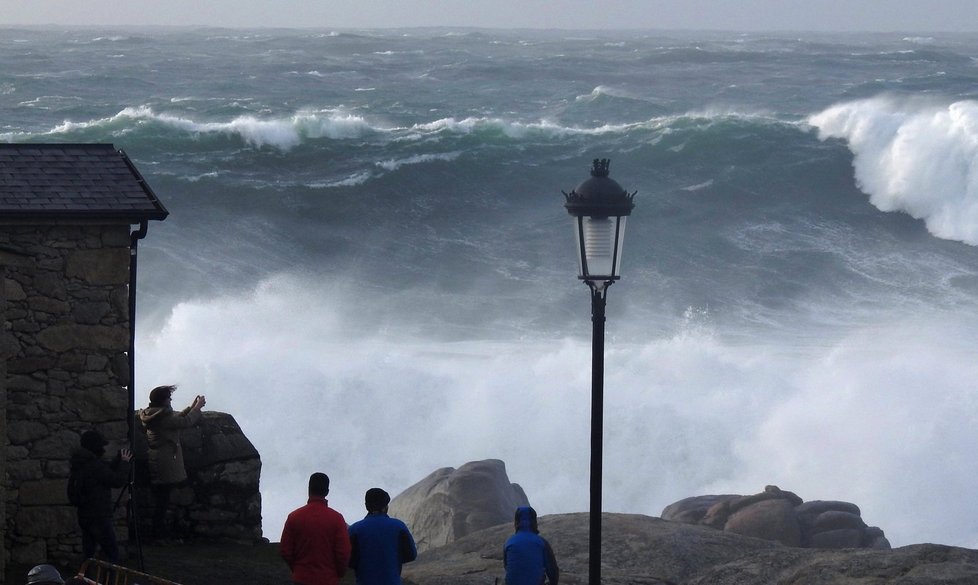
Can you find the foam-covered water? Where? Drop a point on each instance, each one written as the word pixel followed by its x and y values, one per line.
pixel 368 263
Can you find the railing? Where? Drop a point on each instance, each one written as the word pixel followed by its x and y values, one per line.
pixel 106 573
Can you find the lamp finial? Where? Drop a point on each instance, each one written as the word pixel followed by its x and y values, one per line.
pixel 600 168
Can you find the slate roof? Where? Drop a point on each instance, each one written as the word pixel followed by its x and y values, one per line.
pixel 73 181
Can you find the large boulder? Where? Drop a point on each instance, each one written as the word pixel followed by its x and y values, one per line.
pixel 451 503
pixel 782 516
pixel 220 500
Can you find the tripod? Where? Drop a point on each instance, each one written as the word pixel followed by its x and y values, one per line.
pixel 132 523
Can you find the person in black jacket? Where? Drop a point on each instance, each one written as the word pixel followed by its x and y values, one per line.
pixel 90 491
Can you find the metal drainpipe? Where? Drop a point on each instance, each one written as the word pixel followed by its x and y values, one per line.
pixel 134 238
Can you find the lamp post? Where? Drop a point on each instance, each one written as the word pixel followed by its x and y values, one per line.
pixel 599 207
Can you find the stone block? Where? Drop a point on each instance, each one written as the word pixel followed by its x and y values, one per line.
pixel 50 284
pixel 90 313
pixel 44 492
pixel 99 267
pixel 31 364
pixel 24 470
pixel 66 337
pixel 25 384
pixel 48 305
pixel 28 554
pixel 46 521
pixel 57 445
pixel 13 290
pixel 20 432
pixel 9 344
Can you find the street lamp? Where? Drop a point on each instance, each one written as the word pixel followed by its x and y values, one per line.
pixel 599 207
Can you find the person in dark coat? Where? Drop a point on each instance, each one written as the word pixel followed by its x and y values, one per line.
pixel 527 556
pixel 381 544
pixel 166 468
pixel 90 490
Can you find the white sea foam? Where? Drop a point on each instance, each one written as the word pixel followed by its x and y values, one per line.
pixel 281 133
pixel 914 156
pixel 686 413
pixel 350 181
pixel 605 90
pixel 393 165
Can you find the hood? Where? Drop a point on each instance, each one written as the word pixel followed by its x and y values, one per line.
pixel 151 414
pixel 526 519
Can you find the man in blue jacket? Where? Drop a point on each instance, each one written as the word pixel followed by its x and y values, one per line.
pixel 381 544
pixel 527 556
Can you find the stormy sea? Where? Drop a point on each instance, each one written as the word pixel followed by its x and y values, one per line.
pixel 368 263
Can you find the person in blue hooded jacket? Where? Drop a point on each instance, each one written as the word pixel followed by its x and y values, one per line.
pixel 380 544
pixel 527 556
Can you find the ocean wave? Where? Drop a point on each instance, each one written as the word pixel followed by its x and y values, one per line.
pixel 915 156
pixel 281 133
pixel 290 131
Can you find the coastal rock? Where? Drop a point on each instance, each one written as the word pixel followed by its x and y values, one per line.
pixel 221 500
pixel 782 516
pixel 451 503
pixel 650 551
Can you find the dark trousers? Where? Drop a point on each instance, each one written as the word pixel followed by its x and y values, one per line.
pixel 99 534
pixel 161 501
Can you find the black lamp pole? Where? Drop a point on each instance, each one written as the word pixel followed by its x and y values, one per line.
pixel 599 207
pixel 597 431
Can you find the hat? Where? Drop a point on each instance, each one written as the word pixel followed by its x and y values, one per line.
pixel 94 442
pixel 375 499
pixel 44 575
pixel 159 395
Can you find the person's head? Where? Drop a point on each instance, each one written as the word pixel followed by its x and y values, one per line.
pixel 376 500
pixel 318 484
pixel 526 519
pixel 44 575
pixel 94 442
pixel 161 395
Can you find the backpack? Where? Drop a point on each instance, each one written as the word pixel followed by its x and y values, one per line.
pixel 75 489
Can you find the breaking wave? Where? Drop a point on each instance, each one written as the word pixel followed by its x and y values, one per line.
pixel 914 156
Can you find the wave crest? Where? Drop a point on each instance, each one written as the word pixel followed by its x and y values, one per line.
pixel 281 133
pixel 913 156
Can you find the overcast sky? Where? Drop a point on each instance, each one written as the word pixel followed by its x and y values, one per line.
pixel 748 15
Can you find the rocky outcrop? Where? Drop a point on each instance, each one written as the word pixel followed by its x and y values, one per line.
pixel 651 551
pixel 221 499
pixel 451 503
pixel 783 517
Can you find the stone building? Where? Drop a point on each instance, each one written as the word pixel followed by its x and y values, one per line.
pixel 70 219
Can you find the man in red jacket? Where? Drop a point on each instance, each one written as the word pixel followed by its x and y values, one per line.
pixel 315 542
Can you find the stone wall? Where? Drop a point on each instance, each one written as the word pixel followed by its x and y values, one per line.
pixel 65 341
